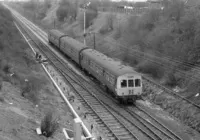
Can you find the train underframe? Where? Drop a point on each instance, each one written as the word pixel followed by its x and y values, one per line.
pixel 124 99
pixel 127 99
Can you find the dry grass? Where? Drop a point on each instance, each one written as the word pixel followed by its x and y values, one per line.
pixel 15 58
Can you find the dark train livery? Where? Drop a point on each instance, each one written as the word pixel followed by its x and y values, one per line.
pixel 121 80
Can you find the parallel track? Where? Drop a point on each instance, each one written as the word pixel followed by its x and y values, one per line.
pixel 170 91
pixel 105 113
pixel 111 125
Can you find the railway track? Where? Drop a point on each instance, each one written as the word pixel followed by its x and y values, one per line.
pixel 158 85
pixel 111 125
pixel 149 124
pixel 171 92
pixel 94 106
pixel 162 87
pixel 115 123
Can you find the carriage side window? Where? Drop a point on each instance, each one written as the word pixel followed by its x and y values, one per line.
pixel 130 83
pixel 100 71
pixel 123 83
pixel 81 56
pixel 137 83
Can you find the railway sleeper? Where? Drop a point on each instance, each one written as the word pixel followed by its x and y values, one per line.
pixel 126 138
pixel 120 131
pixel 110 121
pixel 114 125
pixel 99 111
pixel 102 125
pixel 96 105
pixel 106 117
pixel 123 135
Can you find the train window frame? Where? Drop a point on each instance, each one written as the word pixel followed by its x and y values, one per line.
pixel 81 56
pixel 100 71
pixel 125 84
pixel 132 84
pixel 62 44
pixel 137 84
pixel 85 59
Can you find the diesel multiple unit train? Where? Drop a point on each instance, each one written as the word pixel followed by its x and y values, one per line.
pixel 122 81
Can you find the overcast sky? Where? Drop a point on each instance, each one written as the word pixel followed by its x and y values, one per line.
pixel 131 0
pixel 111 0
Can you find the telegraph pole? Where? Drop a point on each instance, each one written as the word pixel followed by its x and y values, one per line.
pixel 84 16
pixel 84 24
pixel 94 40
pixel 54 23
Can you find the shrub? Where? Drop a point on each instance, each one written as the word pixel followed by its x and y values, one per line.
pixel 118 32
pixel 31 88
pixel 108 25
pixel 131 59
pixel 5 66
pixel 66 10
pixel 1 98
pixel 90 16
pixel 171 79
pixel 154 70
pixel 31 5
pixel 49 125
pixel 41 14
pixel 29 92
pixel 1 82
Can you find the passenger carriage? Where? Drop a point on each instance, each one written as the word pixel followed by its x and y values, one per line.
pixel 54 36
pixel 66 44
pixel 72 48
pixel 122 80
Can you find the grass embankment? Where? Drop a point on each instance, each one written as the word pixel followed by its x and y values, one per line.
pixel 17 66
pixel 20 73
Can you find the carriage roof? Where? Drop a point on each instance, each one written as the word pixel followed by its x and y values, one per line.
pixel 114 66
pixel 56 33
pixel 73 43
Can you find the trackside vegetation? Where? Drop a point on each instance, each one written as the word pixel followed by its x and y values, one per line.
pixel 17 66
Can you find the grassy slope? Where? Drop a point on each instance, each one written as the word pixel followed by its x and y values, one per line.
pixel 15 58
pixel 20 117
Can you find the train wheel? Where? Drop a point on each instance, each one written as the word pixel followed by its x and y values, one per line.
pixel 133 100
pixel 120 100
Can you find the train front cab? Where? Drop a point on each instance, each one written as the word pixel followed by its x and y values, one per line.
pixel 129 87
